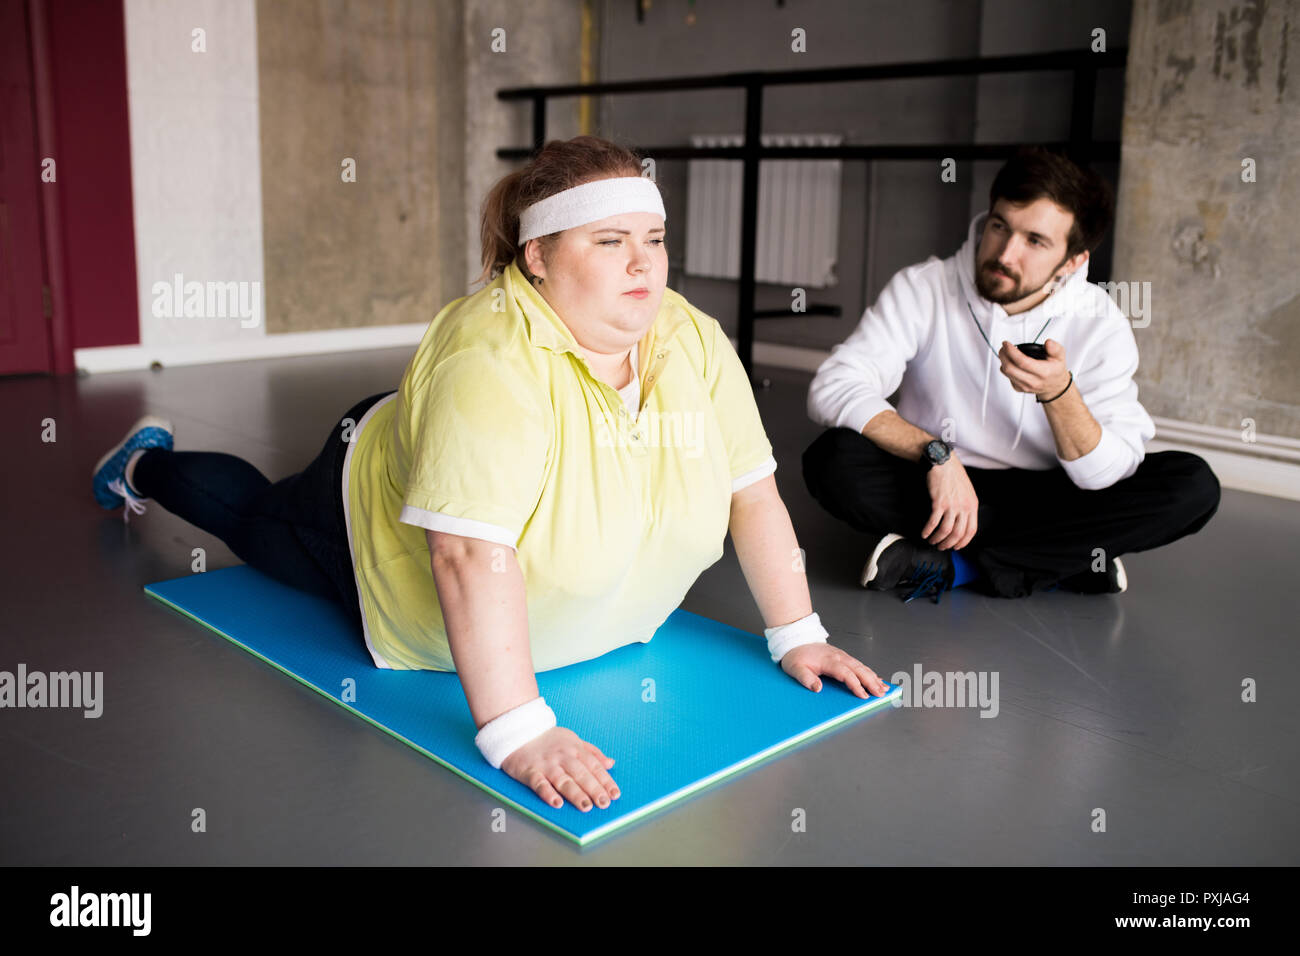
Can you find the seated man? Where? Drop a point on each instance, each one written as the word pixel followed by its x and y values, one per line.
pixel 1032 477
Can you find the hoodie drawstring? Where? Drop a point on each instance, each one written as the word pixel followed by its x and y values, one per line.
pixel 1020 420
pixel 988 371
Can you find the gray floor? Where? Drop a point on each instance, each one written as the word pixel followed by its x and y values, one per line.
pixel 1129 703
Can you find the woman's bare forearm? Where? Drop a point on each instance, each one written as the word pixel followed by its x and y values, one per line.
pixel 484 605
pixel 769 554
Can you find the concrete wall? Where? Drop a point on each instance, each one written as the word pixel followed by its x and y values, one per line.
pixel 408 89
pixel 380 84
pixel 1208 89
pixel 894 213
pixel 543 40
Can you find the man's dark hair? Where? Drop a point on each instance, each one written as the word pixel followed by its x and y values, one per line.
pixel 1037 173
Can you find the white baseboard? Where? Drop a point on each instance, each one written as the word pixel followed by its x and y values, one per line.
pixel 1263 476
pixel 1236 441
pixel 122 358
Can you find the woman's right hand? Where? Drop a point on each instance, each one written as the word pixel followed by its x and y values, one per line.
pixel 560 760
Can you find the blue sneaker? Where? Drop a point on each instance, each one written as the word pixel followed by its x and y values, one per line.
pixel 110 487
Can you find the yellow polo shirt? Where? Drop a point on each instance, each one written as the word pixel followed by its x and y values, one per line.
pixel 500 431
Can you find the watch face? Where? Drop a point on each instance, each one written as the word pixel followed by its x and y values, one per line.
pixel 937 452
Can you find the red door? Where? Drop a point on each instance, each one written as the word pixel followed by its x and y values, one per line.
pixel 24 304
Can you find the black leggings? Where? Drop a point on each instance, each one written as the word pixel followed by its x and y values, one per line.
pixel 292 530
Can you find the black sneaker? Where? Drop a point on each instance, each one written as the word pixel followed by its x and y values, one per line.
pixel 1113 581
pixel 897 562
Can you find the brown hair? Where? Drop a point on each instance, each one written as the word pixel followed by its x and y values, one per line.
pixel 1036 173
pixel 557 166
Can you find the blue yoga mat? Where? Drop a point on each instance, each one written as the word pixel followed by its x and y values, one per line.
pixel 700 702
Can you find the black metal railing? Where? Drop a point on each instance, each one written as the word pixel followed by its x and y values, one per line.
pixel 1083 65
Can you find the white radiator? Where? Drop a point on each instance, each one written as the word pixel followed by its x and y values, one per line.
pixel 798 214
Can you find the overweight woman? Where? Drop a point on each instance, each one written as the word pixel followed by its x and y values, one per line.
pixel 566 453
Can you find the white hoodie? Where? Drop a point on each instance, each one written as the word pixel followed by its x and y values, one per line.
pixel 922 334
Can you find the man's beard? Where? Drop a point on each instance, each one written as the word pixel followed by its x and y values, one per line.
pixel 984 284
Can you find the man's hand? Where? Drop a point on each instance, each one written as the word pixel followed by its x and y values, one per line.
pixel 954 518
pixel 1045 378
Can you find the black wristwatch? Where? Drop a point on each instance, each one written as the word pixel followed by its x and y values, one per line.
pixel 936 453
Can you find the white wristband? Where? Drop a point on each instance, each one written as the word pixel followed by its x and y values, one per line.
pixel 501 736
pixel 806 630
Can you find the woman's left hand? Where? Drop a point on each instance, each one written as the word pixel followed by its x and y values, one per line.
pixel 805 662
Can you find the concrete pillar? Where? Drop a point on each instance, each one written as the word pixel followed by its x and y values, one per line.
pixel 377 88
pixel 506 44
pixel 1209 210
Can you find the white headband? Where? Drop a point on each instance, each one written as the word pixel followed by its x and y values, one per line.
pixel 588 203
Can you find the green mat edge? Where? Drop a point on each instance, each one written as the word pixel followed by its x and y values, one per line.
pixel 601 831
